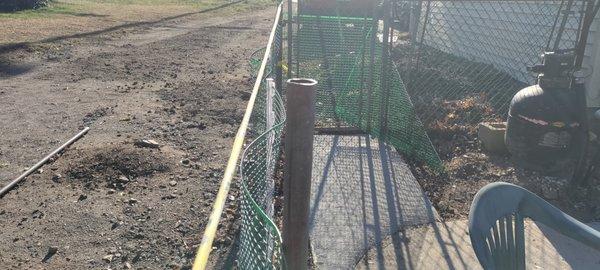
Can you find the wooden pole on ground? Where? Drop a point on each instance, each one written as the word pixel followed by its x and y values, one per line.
pixel 300 125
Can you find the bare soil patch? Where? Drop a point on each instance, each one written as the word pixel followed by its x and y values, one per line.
pixel 114 168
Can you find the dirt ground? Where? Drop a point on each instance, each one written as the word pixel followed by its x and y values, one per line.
pixel 108 202
pixel 469 166
pixel 451 116
pixel 63 18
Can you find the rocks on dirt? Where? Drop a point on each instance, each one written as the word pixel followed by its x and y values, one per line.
pixel 106 165
pixel 51 251
pixel 108 258
pixel 200 125
pixel 147 143
pixel 123 180
pixel 37 214
pixel 56 178
pixel 174 266
pixel 114 224
pixel 169 196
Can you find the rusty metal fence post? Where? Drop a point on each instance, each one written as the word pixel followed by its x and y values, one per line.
pixel 290 37
pixel 299 134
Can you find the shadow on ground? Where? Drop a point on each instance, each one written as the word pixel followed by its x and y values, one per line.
pixel 8 69
pixel 14 46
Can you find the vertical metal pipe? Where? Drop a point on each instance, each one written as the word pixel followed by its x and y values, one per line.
pixel 279 59
pixel 300 124
pixel 385 69
pixel 562 3
pixel 579 89
pixel 413 25
pixel 290 37
pixel 563 23
pixel 327 70
pixel 371 75
pixel 298 22
pixel 362 73
pixel 417 48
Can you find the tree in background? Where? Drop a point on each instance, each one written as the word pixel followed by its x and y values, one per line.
pixel 14 5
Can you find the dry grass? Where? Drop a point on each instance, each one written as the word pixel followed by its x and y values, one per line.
pixel 68 17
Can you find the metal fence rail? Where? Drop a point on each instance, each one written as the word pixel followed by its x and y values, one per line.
pixel 260 245
pixel 260 240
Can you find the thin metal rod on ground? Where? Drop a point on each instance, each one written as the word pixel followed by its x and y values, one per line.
pixel 35 167
pixel 299 134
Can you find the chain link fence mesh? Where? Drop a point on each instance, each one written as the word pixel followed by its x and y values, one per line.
pixel 342 49
pixel 473 55
pixel 456 62
pixel 260 239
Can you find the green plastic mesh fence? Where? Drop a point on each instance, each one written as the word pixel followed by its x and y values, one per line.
pixel 260 239
pixel 472 56
pixel 326 49
pixel 256 61
pixel 344 55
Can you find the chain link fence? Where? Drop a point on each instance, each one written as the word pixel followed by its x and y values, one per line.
pixel 455 63
pixel 396 70
pixel 340 44
pixel 467 59
pixel 260 239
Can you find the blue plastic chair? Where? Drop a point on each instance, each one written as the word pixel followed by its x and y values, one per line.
pixel 497 230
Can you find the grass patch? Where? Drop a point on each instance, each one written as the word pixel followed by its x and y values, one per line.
pixel 98 8
pixel 67 17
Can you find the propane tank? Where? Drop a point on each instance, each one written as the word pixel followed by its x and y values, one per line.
pixel 542 126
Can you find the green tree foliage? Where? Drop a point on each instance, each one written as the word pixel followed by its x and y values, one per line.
pixel 15 5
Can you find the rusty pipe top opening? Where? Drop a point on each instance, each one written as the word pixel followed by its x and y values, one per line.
pixel 302 82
